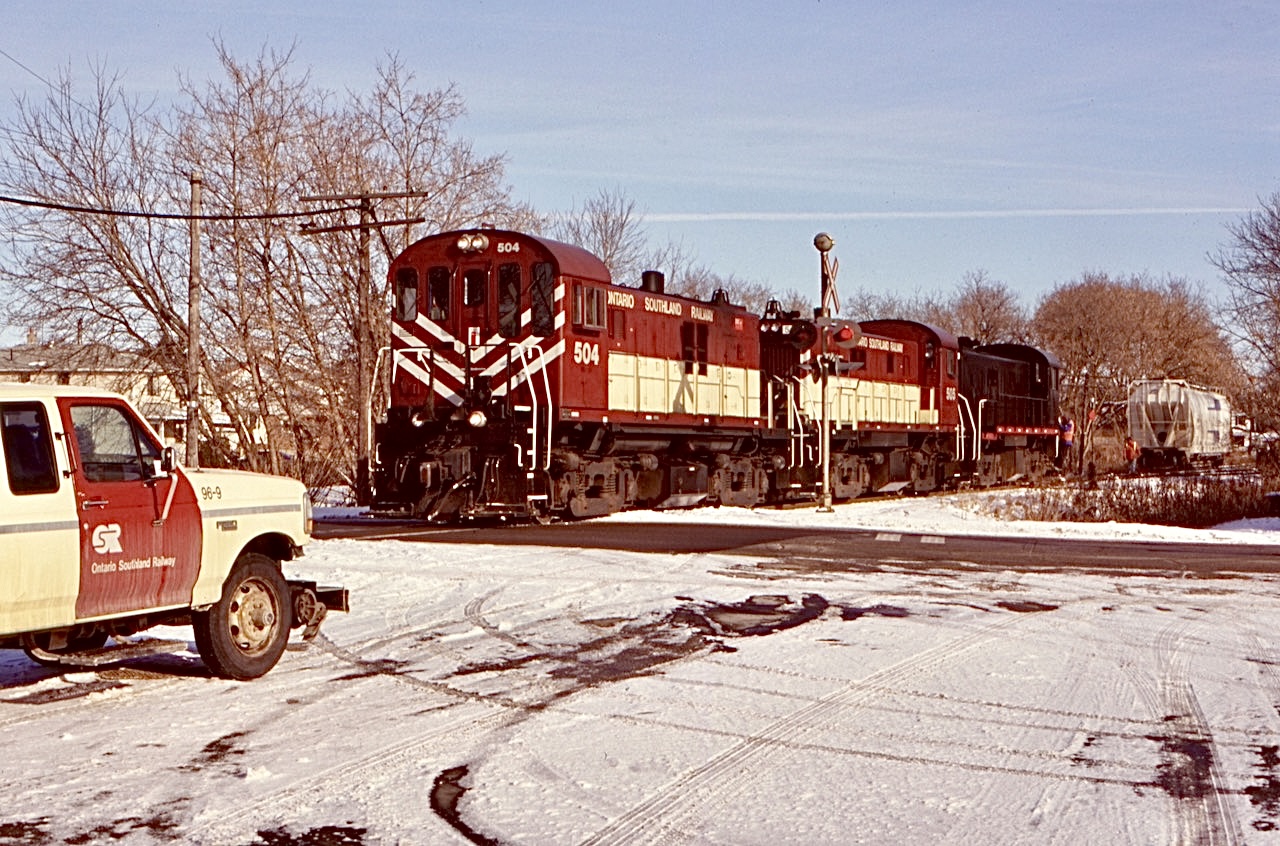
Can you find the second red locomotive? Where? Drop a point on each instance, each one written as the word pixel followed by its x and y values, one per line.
pixel 525 384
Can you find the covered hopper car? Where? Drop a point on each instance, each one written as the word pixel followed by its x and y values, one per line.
pixel 1178 425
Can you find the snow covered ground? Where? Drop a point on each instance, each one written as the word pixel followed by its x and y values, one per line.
pixel 526 695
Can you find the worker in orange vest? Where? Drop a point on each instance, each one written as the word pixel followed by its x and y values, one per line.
pixel 1131 453
pixel 1067 437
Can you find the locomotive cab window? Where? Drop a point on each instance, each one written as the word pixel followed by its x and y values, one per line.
pixel 474 281
pixel 406 294
pixel 588 307
pixel 542 318
pixel 438 279
pixel 509 300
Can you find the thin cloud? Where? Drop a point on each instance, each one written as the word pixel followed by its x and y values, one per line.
pixel 783 217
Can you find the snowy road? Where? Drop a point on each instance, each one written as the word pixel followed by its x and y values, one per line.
pixel 529 695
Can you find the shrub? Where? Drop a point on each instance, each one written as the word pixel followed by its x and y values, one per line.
pixel 1196 502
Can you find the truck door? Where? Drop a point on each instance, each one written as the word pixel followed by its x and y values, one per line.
pixel 39 539
pixel 140 530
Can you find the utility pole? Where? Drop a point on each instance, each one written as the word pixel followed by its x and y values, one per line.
pixel 364 378
pixel 193 328
pixel 363 335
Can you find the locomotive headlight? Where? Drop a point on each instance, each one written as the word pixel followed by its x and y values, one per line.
pixel 476 243
pixel 477 419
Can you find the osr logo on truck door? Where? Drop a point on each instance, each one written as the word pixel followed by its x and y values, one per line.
pixel 106 539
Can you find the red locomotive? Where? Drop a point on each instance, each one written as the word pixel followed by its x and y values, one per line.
pixel 525 384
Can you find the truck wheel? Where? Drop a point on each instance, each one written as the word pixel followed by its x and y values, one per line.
pixel 243 635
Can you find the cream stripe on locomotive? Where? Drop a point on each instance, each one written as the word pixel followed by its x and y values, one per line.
pixel 651 385
pixel 861 402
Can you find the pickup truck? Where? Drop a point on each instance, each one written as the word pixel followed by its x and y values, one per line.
pixel 103 535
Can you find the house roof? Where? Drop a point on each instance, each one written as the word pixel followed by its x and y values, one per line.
pixel 77 358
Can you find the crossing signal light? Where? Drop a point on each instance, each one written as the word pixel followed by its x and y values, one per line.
pixel 845 335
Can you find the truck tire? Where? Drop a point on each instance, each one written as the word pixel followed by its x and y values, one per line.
pixel 243 635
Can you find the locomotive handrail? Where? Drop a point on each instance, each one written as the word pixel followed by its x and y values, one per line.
pixel 960 434
pixel 525 353
pixel 796 425
pixel 406 352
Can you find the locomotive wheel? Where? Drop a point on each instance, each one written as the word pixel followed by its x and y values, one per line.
pixel 541 515
pixel 243 635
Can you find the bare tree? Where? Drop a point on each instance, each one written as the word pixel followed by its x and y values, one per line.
pixel 701 283
pixel 610 226
pixel 285 313
pixel 918 306
pixel 987 311
pixel 1109 332
pixel 1251 267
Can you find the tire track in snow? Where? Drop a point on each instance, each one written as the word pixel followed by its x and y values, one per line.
pixel 404 755
pixel 1191 772
pixel 667 815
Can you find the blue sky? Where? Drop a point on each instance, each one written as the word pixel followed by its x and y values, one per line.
pixel 1032 141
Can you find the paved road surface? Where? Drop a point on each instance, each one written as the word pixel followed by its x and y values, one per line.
pixel 840 549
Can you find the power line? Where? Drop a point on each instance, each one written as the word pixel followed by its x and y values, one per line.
pixel 42 204
pixel 27 69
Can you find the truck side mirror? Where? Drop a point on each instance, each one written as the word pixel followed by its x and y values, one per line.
pixel 168 461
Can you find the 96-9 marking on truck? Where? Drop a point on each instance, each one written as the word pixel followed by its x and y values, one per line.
pixel 208 492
